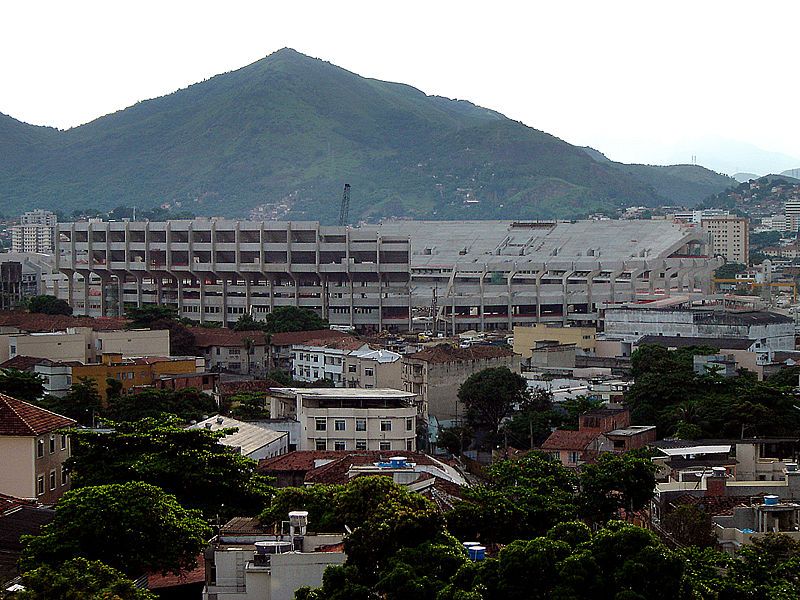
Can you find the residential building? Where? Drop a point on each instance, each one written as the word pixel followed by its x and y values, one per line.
pixel 33 238
pixel 34 451
pixel 722 365
pixel 526 338
pixel 134 372
pixel 83 344
pixel 18 517
pixel 768 330
pixel 244 352
pixel 348 418
pixel 247 561
pixel 11 295
pixel 436 373
pixel 792 211
pixel 486 275
pixel 280 345
pixel 250 440
pixel 730 237
pixel 347 362
pixel 39 217
pixel 697 216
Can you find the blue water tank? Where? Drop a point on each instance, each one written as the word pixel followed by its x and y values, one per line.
pixel 771 500
pixel 397 462
pixel 477 552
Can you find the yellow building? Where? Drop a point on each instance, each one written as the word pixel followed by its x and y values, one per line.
pixel 526 338
pixel 134 372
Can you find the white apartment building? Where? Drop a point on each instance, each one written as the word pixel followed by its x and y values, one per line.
pixel 323 359
pixel 730 238
pixel 33 238
pixel 792 211
pixel 39 217
pixel 486 275
pixel 348 418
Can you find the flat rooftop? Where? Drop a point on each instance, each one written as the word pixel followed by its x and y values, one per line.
pixel 446 243
pixel 344 393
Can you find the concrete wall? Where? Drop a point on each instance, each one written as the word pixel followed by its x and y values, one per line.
pixel 525 338
pixel 136 342
pixel 294 570
pixel 17 476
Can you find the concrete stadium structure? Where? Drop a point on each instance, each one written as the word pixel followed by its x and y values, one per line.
pixel 485 274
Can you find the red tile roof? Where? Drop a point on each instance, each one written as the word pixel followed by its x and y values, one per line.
pixel 21 363
pixel 345 343
pixel 39 323
pixel 205 337
pixel 445 353
pixel 8 503
pixel 157 581
pixel 290 338
pixel 23 419
pixel 564 439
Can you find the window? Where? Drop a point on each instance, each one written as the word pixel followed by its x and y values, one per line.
pixel 63 442
pixel 410 445
pixel 40 485
pixel 386 425
pixel 410 424
pixel 52 480
pixel 339 445
pixel 361 424
pixel 351 368
pixel 321 445
pixel 321 424
pixel 339 425
pixel 386 446
pixel 52 444
pixel 39 448
pixel 573 457
pixel 64 475
pixel 361 444
pixel 369 372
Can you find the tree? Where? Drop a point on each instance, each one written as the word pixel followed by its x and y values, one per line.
pixel 81 403
pixel 616 482
pixel 249 407
pixel 181 340
pixel 134 527
pixel 490 396
pixel 189 463
pixel 79 578
pixel 144 316
pixel 48 305
pixel 21 384
pixel 246 322
pixel 454 439
pixel 691 526
pixel 187 404
pixel 293 318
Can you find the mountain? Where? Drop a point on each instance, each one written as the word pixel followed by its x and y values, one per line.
pixel 744 177
pixel 290 130
pixel 791 173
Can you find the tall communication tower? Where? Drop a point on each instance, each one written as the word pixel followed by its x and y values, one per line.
pixel 344 211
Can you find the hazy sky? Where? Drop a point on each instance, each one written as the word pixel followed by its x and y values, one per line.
pixel 641 81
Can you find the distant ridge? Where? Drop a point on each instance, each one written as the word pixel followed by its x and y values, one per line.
pixel 289 130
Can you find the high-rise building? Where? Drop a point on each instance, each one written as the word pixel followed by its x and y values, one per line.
pixel 35 233
pixel 730 237
pixel 793 214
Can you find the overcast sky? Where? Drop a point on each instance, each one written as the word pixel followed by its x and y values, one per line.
pixel 643 81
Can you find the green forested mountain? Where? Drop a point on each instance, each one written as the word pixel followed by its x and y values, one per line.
pixel 291 130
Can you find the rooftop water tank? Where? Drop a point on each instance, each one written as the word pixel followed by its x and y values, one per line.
pixel 791 467
pixel 718 471
pixel 298 522
pixel 477 553
pixel 397 462
pixel 771 500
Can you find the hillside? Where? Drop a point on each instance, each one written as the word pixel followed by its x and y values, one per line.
pixel 289 130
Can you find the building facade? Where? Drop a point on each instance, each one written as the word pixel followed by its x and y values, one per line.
pixel 483 275
pixel 527 338
pixel 34 451
pixel 348 419
pixel 730 237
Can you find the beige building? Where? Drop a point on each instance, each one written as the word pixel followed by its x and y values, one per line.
pixel 526 339
pixel 436 373
pixel 33 451
pixel 348 419
pixel 82 344
pixel 730 237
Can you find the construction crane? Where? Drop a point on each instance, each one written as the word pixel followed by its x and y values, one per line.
pixel 344 211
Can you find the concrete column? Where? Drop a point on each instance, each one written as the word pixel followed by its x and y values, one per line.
pixel 510 300
pixel 103 286
pixel 70 288
pixel 224 300
pixel 248 301
pixel 565 296
pixel 481 284
pixel 202 282
pixel 140 282
pixel 121 294
pixel 179 284
pixel 380 303
pixel 539 274
pixel 86 278
pixel 352 306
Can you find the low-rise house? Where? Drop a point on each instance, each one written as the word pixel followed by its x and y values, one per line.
pixel 136 372
pixel 18 517
pixel 250 440
pixel 436 373
pixel 243 352
pixel 33 450
pixel 574 448
pixel 347 418
pixel 280 345
pixel 347 362
pixel 247 561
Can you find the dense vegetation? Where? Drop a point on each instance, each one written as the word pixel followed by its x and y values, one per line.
pixel 667 393
pixel 292 130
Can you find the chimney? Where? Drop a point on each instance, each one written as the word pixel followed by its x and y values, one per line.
pixel 715 484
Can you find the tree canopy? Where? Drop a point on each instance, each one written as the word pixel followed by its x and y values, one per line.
pixel 187 403
pixel 189 463
pixel 134 527
pixel 48 305
pixel 21 385
pixel 491 395
pixel 79 579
